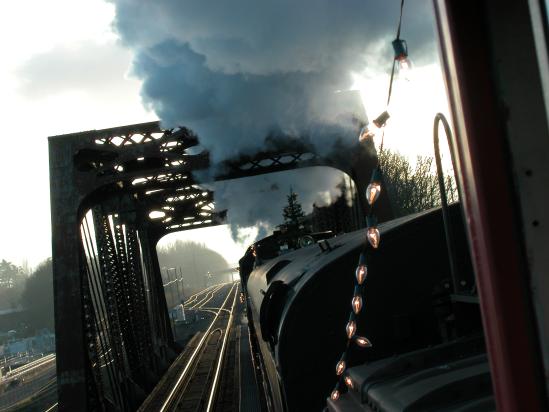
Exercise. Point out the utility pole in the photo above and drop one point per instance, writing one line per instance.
(170, 286)
(176, 284)
(182, 284)
(195, 273)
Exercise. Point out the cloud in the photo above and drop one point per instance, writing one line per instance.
(237, 71)
(240, 72)
(258, 201)
(276, 36)
(89, 68)
(234, 113)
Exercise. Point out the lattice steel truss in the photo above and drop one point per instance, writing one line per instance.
(114, 194)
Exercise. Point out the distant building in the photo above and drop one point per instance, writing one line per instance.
(42, 342)
(177, 313)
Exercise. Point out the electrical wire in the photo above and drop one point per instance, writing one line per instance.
(372, 233)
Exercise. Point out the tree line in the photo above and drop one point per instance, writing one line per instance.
(31, 293)
(413, 188)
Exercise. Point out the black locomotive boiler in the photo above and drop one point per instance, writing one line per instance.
(418, 323)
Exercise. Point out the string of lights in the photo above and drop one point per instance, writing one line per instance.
(373, 238)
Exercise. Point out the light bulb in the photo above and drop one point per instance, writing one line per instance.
(372, 192)
(365, 134)
(357, 304)
(340, 367)
(361, 273)
(363, 342)
(361, 270)
(372, 233)
(370, 130)
(400, 48)
(350, 328)
(373, 237)
(380, 121)
(335, 395)
(349, 382)
(405, 67)
(374, 188)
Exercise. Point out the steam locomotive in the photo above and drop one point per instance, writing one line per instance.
(421, 314)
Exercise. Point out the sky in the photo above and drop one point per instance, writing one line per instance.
(72, 65)
(63, 71)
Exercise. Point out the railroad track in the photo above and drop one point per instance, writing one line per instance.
(192, 392)
(195, 382)
(29, 367)
(207, 297)
(37, 401)
(194, 298)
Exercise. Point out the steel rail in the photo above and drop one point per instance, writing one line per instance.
(51, 407)
(24, 403)
(31, 366)
(208, 289)
(190, 362)
(215, 309)
(204, 296)
(209, 296)
(188, 382)
(209, 311)
(194, 296)
(215, 382)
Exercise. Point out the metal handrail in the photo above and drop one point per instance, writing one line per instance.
(450, 239)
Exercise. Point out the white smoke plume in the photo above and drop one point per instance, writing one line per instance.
(262, 206)
(238, 71)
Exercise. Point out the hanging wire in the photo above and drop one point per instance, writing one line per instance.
(394, 61)
(391, 80)
(400, 19)
(341, 371)
(381, 147)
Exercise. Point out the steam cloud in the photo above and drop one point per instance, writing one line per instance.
(263, 206)
(238, 71)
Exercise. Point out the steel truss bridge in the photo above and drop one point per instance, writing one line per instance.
(113, 333)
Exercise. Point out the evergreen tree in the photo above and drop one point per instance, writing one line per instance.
(292, 213)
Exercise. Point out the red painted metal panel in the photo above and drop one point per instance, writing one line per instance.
(489, 201)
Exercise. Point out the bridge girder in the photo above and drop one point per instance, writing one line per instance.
(107, 280)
